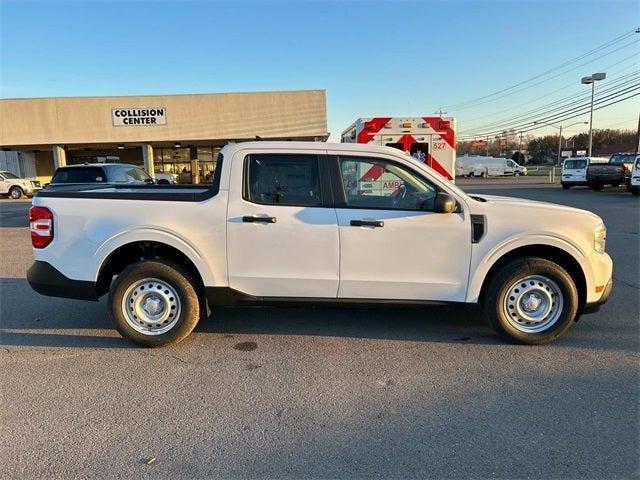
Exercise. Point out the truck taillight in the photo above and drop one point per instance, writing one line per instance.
(41, 224)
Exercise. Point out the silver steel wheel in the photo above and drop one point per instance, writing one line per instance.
(15, 193)
(533, 304)
(151, 306)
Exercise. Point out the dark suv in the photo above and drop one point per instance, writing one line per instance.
(92, 173)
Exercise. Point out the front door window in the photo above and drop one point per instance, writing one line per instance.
(381, 184)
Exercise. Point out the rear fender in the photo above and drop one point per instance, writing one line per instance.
(146, 234)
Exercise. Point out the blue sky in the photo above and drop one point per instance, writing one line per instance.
(373, 58)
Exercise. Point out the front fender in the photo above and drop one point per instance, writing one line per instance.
(481, 263)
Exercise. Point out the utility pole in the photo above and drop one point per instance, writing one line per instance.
(638, 136)
(487, 145)
(560, 146)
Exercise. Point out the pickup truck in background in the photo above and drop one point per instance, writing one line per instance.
(311, 223)
(17, 187)
(615, 173)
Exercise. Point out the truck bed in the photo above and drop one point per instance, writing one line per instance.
(174, 193)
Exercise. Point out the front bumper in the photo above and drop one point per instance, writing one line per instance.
(45, 279)
(570, 181)
(595, 306)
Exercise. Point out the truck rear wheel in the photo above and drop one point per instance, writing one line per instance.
(597, 186)
(154, 303)
(531, 301)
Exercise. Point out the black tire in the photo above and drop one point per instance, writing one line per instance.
(507, 278)
(635, 191)
(170, 274)
(15, 193)
(615, 184)
(595, 186)
(566, 186)
(163, 181)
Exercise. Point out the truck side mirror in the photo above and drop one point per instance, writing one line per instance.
(444, 203)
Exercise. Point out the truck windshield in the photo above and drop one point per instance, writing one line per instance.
(575, 164)
(8, 175)
(620, 159)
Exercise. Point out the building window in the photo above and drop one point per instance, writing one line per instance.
(191, 164)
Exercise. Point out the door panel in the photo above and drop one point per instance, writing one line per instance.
(296, 252)
(401, 252)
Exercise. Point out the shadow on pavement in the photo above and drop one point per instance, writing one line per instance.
(40, 321)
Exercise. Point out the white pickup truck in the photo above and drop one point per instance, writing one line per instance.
(320, 224)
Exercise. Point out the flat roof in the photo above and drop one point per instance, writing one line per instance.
(138, 119)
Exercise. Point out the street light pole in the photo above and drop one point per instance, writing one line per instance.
(592, 79)
(593, 91)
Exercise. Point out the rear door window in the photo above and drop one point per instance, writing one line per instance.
(283, 179)
(575, 164)
(79, 175)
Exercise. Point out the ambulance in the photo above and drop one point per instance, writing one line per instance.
(431, 140)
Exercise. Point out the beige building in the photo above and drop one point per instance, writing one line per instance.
(179, 134)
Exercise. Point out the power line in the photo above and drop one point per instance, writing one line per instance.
(582, 113)
(618, 82)
(572, 106)
(537, 127)
(545, 80)
(569, 62)
(564, 87)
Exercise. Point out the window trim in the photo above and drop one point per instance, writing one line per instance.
(326, 194)
(341, 197)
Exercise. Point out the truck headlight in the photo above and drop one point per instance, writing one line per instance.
(600, 238)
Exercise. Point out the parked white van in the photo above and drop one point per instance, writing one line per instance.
(477, 166)
(574, 170)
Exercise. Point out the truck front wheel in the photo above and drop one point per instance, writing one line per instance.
(154, 303)
(531, 301)
(16, 193)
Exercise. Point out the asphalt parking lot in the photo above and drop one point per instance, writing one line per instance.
(271, 393)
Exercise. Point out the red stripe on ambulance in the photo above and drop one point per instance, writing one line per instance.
(428, 139)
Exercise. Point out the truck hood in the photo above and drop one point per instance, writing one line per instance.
(522, 202)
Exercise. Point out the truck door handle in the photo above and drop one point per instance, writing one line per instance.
(367, 223)
(254, 219)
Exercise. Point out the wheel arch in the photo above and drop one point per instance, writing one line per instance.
(554, 253)
(134, 251)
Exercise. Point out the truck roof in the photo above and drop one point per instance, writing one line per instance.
(319, 146)
(112, 164)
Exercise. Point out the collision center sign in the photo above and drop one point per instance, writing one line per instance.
(139, 116)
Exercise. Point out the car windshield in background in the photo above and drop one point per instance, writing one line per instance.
(619, 159)
(138, 174)
(575, 164)
(8, 175)
(128, 174)
(79, 175)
